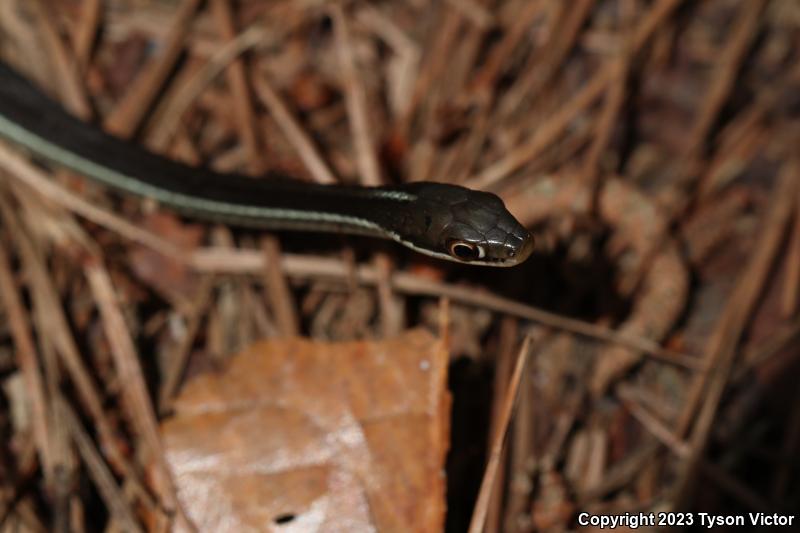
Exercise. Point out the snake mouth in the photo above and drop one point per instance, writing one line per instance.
(518, 258)
(524, 252)
(512, 259)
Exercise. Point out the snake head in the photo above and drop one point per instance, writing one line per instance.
(459, 224)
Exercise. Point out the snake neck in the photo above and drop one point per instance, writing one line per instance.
(33, 121)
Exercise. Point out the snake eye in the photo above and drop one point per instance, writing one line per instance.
(465, 251)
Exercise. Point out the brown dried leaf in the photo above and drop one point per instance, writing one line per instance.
(326, 436)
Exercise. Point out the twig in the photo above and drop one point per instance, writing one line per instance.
(509, 331)
(391, 310)
(27, 361)
(134, 387)
(103, 479)
(21, 169)
(684, 450)
(69, 85)
(244, 261)
(493, 464)
(433, 64)
(765, 350)
(60, 335)
(487, 75)
(615, 97)
(727, 66)
(565, 29)
(654, 425)
(474, 12)
(180, 357)
(791, 439)
(555, 126)
(240, 90)
(184, 98)
(129, 114)
(294, 132)
(792, 277)
(401, 91)
(356, 97)
(85, 32)
(741, 139)
(278, 293)
(731, 325)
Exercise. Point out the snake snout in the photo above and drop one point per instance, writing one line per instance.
(526, 250)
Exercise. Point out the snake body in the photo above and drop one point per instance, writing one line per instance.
(440, 220)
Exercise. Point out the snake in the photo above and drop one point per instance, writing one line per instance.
(441, 220)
